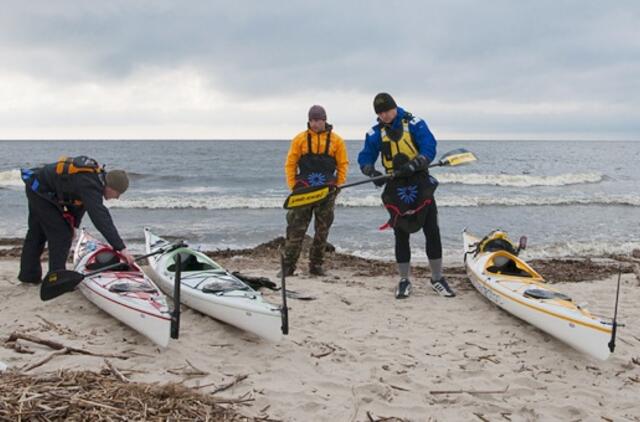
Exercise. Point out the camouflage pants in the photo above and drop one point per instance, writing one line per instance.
(298, 220)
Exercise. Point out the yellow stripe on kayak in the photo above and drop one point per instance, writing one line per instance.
(535, 308)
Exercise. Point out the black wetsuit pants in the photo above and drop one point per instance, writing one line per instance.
(45, 225)
(431, 234)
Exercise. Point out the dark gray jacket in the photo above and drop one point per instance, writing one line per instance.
(83, 192)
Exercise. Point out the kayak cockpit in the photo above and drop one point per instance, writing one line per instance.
(190, 262)
(504, 263)
(107, 257)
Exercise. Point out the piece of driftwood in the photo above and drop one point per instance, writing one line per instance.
(116, 372)
(230, 384)
(59, 346)
(436, 392)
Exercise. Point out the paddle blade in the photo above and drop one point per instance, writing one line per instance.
(59, 282)
(307, 196)
(457, 157)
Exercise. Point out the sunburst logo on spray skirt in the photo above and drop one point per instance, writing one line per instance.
(317, 179)
(408, 194)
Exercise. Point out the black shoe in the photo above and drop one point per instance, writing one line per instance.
(25, 281)
(442, 288)
(404, 289)
(317, 270)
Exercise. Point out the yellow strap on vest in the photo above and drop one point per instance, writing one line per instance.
(404, 145)
(65, 166)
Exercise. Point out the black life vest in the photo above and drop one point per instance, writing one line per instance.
(58, 177)
(407, 200)
(319, 168)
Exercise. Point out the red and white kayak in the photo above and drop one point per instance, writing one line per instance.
(124, 293)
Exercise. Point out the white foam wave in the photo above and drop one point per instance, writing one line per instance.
(192, 189)
(580, 248)
(11, 178)
(454, 256)
(519, 180)
(198, 202)
(258, 202)
(522, 200)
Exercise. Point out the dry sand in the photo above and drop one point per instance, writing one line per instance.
(356, 353)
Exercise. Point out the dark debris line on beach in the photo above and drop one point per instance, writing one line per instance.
(552, 269)
(86, 395)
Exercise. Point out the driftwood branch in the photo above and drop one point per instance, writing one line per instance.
(223, 387)
(46, 359)
(435, 392)
(59, 346)
(116, 372)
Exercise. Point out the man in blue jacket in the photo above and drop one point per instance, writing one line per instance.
(406, 146)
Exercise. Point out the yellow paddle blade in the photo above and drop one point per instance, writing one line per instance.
(458, 157)
(307, 196)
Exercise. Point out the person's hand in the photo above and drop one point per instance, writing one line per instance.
(405, 170)
(378, 183)
(368, 170)
(125, 253)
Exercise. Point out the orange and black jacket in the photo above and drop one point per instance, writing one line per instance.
(299, 148)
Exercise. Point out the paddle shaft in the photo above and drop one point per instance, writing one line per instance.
(175, 315)
(614, 328)
(284, 311)
(381, 177)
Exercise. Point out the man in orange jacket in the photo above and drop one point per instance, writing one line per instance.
(317, 156)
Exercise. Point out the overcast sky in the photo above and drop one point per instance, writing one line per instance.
(492, 69)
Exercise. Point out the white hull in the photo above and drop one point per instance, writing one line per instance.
(243, 308)
(559, 318)
(147, 313)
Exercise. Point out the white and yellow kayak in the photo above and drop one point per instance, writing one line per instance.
(207, 287)
(509, 282)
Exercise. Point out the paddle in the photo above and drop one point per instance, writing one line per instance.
(59, 282)
(284, 311)
(313, 194)
(614, 328)
(175, 314)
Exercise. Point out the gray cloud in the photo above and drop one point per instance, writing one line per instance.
(449, 52)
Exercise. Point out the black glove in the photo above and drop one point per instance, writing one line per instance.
(370, 171)
(407, 169)
(379, 183)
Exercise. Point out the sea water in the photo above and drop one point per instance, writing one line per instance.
(569, 197)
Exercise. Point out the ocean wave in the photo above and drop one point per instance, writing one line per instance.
(11, 178)
(453, 256)
(221, 202)
(581, 248)
(519, 180)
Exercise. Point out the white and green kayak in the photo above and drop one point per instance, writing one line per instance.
(506, 280)
(212, 290)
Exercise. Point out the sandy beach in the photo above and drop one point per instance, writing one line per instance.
(357, 354)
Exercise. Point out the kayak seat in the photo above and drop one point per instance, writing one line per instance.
(189, 262)
(509, 267)
(106, 258)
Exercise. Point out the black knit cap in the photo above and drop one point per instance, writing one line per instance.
(383, 102)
